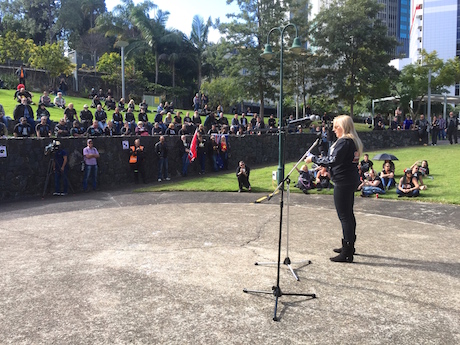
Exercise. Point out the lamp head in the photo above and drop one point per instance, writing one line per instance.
(268, 53)
(296, 46)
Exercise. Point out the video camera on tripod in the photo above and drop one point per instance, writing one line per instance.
(52, 147)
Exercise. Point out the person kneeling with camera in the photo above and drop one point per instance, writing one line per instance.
(242, 173)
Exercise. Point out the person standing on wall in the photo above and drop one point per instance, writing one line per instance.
(343, 159)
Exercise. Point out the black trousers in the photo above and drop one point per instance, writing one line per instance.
(243, 181)
(452, 135)
(434, 136)
(344, 198)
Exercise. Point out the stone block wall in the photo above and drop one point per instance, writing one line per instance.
(25, 169)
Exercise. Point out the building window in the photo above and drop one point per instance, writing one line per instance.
(457, 90)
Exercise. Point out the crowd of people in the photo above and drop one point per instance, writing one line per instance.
(437, 127)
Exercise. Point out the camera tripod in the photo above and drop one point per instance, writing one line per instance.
(51, 165)
(276, 290)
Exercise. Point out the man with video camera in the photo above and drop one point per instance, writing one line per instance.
(60, 168)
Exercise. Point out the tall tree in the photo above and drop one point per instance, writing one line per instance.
(199, 39)
(351, 49)
(413, 80)
(153, 31)
(247, 34)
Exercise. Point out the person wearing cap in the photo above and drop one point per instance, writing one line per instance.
(60, 168)
(90, 156)
(42, 111)
(408, 185)
(86, 117)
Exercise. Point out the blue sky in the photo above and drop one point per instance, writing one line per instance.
(182, 12)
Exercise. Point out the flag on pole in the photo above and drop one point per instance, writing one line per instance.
(193, 148)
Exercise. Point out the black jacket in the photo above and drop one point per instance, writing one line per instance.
(343, 162)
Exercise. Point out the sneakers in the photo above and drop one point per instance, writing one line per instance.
(168, 179)
(239, 190)
(159, 180)
(56, 194)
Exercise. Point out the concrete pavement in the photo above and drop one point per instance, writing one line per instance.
(170, 268)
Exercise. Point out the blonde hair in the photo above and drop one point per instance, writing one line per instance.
(346, 123)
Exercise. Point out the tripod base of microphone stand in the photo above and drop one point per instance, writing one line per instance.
(276, 291)
(288, 263)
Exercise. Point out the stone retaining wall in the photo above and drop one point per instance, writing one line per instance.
(24, 171)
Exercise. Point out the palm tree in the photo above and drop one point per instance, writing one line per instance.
(199, 39)
(153, 31)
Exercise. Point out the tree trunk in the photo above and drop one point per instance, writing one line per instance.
(156, 66)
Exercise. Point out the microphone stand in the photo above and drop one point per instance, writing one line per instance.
(276, 290)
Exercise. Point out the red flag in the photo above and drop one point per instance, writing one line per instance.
(193, 148)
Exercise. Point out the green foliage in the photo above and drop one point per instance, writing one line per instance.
(247, 35)
(440, 158)
(51, 58)
(226, 91)
(413, 80)
(351, 50)
(14, 48)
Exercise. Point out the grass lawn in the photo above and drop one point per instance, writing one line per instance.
(443, 162)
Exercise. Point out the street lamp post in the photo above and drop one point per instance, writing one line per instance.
(122, 45)
(268, 54)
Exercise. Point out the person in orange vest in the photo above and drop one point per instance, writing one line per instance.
(136, 160)
(21, 73)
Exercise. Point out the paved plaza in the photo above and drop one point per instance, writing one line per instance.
(170, 268)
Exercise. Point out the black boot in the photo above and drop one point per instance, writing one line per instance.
(346, 255)
(339, 250)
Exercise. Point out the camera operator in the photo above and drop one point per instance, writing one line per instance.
(60, 168)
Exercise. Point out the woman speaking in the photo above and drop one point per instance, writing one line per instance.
(343, 160)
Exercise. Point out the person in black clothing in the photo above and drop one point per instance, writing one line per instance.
(42, 129)
(242, 173)
(24, 110)
(22, 129)
(63, 87)
(365, 165)
(86, 117)
(70, 115)
(42, 111)
(76, 131)
(201, 152)
(162, 151)
(452, 128)
(184, 151)
(129, 118)
(117, 119)
(136, 160)
(94, 130)
(61, 169)
(101, 117)
(434, 130)
(61, 129)
(95, 102)
(422, 127)
(110, 103)
(343, 161)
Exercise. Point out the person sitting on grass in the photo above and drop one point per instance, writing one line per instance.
(408, 185)
(372, 185)
(242, 173)
(42, 111)
(59, 101)
(323, 179)
(86, 117)
(110, 103)
(418, 175)
(46, 100)
(388, 176)
(304, 182)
